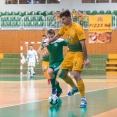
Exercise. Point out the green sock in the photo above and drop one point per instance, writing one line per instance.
(53, 82)
(58, 87)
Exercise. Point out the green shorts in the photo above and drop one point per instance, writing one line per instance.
(55, 67)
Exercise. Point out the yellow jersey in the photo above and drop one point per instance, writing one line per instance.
(74, 14)
(75, 34)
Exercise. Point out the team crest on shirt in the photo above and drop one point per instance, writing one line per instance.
(69, 38)
(72, 31)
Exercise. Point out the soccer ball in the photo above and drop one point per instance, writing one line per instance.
(53, 99)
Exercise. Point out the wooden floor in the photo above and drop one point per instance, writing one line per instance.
(25, 97)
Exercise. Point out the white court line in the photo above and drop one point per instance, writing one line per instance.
(61, 96)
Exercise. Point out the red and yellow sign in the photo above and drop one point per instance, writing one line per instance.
(101, 23)
(100, 28)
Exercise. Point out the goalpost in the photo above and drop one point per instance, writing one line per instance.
(22, 58)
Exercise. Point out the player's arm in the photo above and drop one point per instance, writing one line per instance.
(60, 33)
(43, 53)
(84, 49)
(64, 43)
(54, 38)
(81, 37)
(51, 40)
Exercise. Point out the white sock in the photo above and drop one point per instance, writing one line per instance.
(32, 71)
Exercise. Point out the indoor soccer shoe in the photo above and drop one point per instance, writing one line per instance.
(72, 92)
(54, 90)
(83, 103)
(58, 93)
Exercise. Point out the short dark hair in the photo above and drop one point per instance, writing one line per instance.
(51, 31)
(44, 36)
(31, 45)
(65, 13)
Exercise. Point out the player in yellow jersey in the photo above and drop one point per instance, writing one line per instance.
(76, 57)
(45, 59)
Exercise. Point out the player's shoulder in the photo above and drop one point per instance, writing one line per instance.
(78, 27)
(59, 40)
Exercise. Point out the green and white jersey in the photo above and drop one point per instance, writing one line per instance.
(55, 50)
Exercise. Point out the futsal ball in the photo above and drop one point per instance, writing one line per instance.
(53, 99)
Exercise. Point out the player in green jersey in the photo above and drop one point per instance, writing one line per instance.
(55, 50)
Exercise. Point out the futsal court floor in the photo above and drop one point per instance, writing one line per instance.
(25, 97)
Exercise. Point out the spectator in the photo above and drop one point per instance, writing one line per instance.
(57, 18)
(84, 18)
(79, 15)
(74, 15)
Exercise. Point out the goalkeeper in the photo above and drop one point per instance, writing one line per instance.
(31, 56)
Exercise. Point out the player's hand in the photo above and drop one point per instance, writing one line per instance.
(87, 63)
(46, 44)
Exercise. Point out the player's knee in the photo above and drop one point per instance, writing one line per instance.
(50, 72)
(77, 74)
(62, 73)
(44, 69)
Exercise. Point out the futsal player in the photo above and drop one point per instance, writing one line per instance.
(44, 57)
(55, 50)
(76, 57)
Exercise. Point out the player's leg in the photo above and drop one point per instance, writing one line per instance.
(53, 71)
(77, 68)
(64, 75)
(59, 89)
(32, 64)
(63, 72)
(45, 66)
(29, 67)
(55, 84)
(32, 71)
